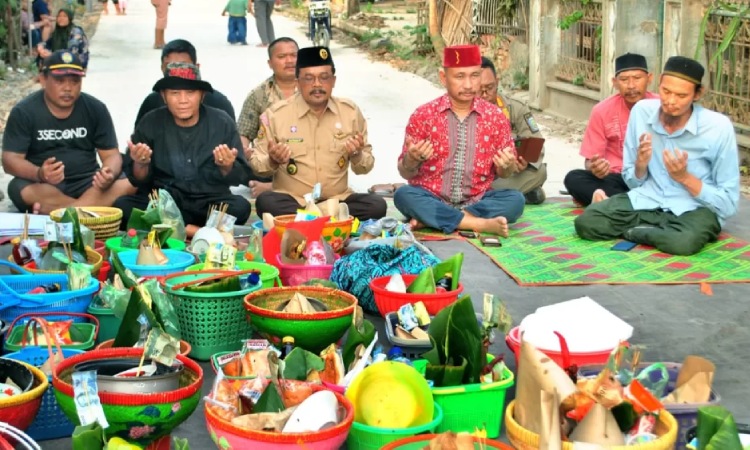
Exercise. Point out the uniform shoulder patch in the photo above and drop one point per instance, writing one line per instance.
(531, 122)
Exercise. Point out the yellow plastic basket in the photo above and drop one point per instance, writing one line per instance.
(93, 257)
(523, 439)
(105, 226)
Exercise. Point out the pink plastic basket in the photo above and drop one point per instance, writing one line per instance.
(297, 274)
(513, 340)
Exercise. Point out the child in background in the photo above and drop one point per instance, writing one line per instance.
(237, 10)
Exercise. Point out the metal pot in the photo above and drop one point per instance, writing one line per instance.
(165, 379)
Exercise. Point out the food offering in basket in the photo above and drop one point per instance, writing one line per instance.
(314, 316)
(35, 330)
(682, 388)
(65, 245)
(335, 231)
(436, 287)
(269, 411)
(301, 259)
(613, 409)
(218, 231)
(141, 405)
(162, 212)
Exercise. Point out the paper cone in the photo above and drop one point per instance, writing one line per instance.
(598, 427)
(293, 243)
(147, 256)
(267, 221)
(329, 207)
(538, 373)
(550, 438)
(694, 381)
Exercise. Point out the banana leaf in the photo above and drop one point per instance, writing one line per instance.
(137, 220)
(299, 363)
(270, 401)
(451, 265)
(222, 285)
(456, 337)
(71, 216)
(357, 335)
(130, 329)
(448, 374)
(424, 283)
(128, 278)
(716, 429)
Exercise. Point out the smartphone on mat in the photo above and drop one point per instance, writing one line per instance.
(468, 234)
(624, 246)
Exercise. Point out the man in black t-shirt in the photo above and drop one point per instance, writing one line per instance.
(188, 149)
(180, 50)
(51, 142)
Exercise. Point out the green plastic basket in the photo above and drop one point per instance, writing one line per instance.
(211, 323)
(269, 275)
(474, 406)
(109, 324)
(365, 437)
(115, 244)
(84, 333)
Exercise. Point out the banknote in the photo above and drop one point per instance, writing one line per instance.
(86, 394)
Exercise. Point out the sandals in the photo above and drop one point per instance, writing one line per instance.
(386, 190)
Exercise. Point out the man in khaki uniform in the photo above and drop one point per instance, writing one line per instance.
(313, 138)
(282, 59)
(529, 177)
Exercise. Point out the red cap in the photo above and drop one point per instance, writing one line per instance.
(132, 232)
(462, 56)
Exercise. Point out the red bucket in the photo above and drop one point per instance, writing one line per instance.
(513, 340)
(388, 301)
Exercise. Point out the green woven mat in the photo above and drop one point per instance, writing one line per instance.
(543, 249)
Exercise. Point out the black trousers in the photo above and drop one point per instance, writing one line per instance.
(194, 209)
(361, 206)
(581, 185)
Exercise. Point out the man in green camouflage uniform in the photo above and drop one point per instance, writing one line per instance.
(529, 177)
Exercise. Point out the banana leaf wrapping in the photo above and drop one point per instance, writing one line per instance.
(228, 284)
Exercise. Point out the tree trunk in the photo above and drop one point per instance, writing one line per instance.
(434, 27)
(352, 7)
(10, 36)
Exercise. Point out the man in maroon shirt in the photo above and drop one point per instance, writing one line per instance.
(455, 145)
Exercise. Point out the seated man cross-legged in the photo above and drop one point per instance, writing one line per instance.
(313, 138)
(681, 163)
(52, 140)
(603, 140)
(455, 145)
(188, 149)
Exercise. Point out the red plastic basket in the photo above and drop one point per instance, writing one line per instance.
(388, 301)
(297, 274)
(513, 340)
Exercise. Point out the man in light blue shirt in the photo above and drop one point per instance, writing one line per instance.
(681, 163)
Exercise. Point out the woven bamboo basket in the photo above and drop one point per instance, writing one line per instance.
(93, 257)
(105, 226)
(523, 439)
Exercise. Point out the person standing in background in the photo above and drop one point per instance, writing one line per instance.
(162, 10)
(262, 10)
(237, 24)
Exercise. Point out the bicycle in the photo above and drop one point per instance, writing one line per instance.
(320, 23)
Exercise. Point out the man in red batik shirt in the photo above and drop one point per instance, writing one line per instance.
(455, 145)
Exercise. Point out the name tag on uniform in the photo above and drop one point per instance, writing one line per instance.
(295, 140)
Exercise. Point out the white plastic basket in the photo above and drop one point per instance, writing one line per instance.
(19, 436)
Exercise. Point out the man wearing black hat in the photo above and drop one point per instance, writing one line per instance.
(52, 140)
(313, 138)
(681, 164)
(180, 50)
(605, 134)
(188, 149)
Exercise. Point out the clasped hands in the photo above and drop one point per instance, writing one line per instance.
(52, 172)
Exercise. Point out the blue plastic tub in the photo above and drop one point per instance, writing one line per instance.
(50, 422)
(178, 262)
(15, 301)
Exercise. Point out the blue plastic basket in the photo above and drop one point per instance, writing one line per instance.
(14, 301)
(178, 262)
(50, 422)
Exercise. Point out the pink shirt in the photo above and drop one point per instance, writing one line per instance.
(605, 133)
